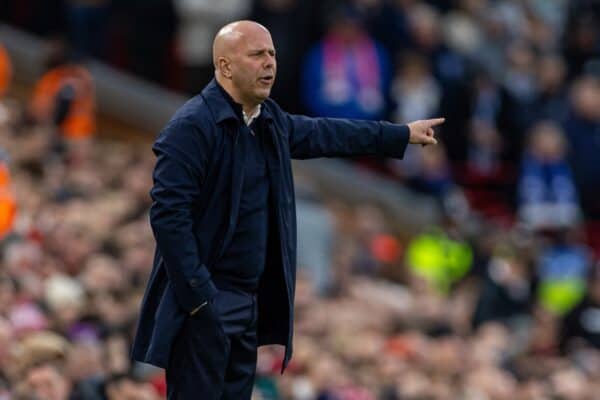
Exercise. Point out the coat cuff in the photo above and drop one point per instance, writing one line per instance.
(394, 139)
(197, 293)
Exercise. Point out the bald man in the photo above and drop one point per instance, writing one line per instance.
(224, 219)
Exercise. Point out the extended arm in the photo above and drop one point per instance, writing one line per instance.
(330, 137)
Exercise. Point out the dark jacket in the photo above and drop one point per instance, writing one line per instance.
(198, 181)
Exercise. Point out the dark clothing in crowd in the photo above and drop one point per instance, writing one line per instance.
(584, 146)
(42, 17)
(289, 26)
(583, 323)
(501, 301)
(148, 36)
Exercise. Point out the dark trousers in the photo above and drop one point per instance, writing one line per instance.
(214, 355)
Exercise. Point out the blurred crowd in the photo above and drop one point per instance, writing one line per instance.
(499, 300)
(517, 79)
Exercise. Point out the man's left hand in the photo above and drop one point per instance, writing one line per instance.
(421, 132)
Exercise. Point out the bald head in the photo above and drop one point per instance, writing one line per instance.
(231, 36)
(244, 60)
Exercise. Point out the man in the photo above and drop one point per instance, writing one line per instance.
(224, 219)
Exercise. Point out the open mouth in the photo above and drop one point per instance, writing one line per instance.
(267, 79)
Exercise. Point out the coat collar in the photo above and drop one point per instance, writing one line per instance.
(223, 107)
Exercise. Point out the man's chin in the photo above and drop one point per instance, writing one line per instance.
(262, 95)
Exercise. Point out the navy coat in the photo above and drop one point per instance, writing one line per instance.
(198, 181)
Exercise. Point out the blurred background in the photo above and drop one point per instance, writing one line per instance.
(468, 270)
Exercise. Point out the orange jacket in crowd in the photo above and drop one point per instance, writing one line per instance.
(80, 121)
(5, 71)
(8, 204)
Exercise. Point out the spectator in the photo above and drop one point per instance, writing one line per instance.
(315, 241)
(8, 206)
(293, 27)
(415, 92)
(88, 23)
(552, 99)
(484, 163)
(347, 73)
(582, 128)
(388, 20)
(519, 92)
(148, 30)
(64, 97)
(199, 21)
(6, 72)
(440, 260)
(42, 17)
(547, 193)
(506, 292)
(45, 381)
(432, 174)
(581, 35)
(448, 67)
(563, 269)
(124, 387)
(583, 322)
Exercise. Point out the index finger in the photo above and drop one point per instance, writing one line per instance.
(436, 121)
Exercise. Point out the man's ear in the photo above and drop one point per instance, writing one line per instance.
(225, 67)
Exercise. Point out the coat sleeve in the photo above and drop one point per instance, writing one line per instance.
(180, 167)
(331, 137)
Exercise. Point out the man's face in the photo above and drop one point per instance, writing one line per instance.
(253, 66)
(45, 382)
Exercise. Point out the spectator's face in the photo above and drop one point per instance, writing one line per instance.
(127, 389)
(116, 354)
(521, 58)
(7, 295)
(253, 66)
(586, 98)
(594, 289)
(6, 338)
(585, 33)
(84, 361)
(434, 160)
(484, 135)
(347, 28)
(548, 142)
(414, 70)
(492, 383)
(102, 274)
(551, 72)
(533, 390)
(424, 22)
(47, 383)
(570, 384)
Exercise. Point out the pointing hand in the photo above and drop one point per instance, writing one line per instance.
(421, 132)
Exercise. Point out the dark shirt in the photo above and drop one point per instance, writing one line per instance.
(243, 261)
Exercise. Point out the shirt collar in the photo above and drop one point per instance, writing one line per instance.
(224, 107)
(248, 119)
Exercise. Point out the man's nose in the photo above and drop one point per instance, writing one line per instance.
(269, 62)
